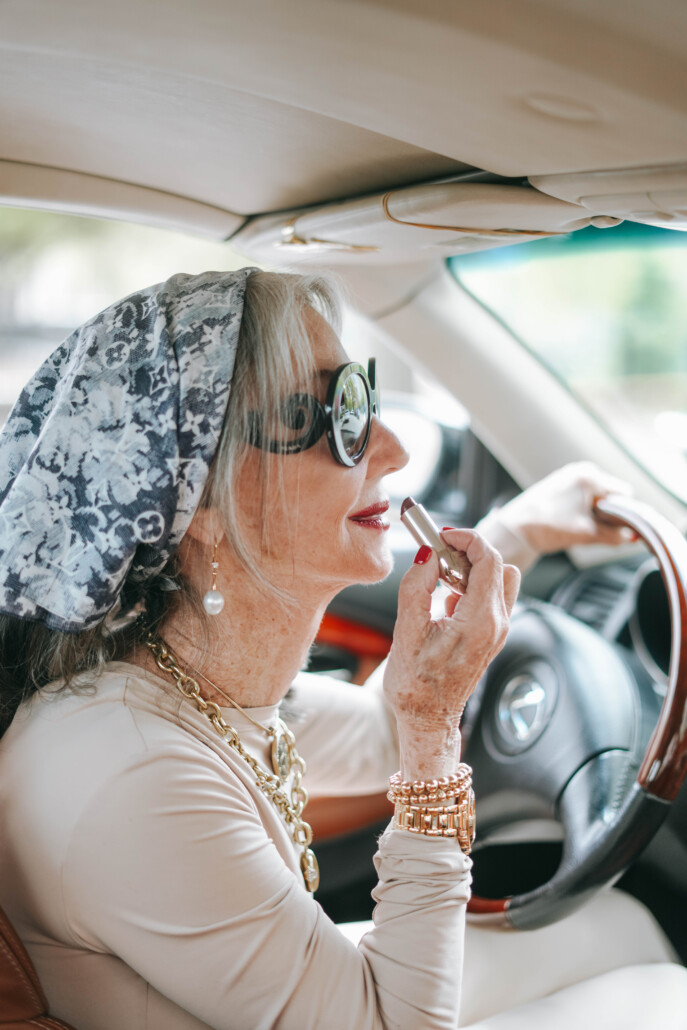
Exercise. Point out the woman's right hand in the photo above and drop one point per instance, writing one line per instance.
(435, 664)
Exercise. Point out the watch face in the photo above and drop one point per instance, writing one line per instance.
(468, 818)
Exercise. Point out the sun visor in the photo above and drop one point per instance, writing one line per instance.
(55, 189)
(656, 196)
(404, 224)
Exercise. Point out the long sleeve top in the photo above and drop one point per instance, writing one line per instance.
(157, 888)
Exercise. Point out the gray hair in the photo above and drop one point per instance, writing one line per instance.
(273, 357)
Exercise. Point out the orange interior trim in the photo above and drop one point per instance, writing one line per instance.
(487, 906)
(336, 817)
(352, 636)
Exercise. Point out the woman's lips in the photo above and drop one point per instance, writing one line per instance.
(372, 517)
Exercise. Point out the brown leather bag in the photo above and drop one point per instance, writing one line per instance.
(22, 1002)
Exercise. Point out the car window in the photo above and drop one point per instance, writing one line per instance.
(56, 271)
(606, 311)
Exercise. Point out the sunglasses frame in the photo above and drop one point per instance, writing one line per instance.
(324, 417)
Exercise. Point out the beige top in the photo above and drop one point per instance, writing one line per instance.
(156, 888)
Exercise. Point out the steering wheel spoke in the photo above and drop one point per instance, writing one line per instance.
(592, 801)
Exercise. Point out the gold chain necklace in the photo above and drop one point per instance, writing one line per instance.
(283, 751)
(290, 808)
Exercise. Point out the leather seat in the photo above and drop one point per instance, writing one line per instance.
(22, 1002)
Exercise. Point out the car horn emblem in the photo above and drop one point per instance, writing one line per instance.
(522, 710)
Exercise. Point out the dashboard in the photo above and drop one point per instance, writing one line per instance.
(625, 602)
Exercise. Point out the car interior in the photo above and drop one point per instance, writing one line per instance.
(501, 188)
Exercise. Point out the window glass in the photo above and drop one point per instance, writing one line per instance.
(606, 311)
(57, 271)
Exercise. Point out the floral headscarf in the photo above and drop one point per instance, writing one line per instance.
(105, 455)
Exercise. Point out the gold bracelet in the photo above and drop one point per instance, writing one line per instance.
(441, 796)
(462, 773)
(448, 821)
(422, 792)
(413, 813)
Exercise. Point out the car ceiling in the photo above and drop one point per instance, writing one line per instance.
(264, 105)
(202, 115)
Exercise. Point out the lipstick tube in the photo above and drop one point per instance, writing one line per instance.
(454, 567)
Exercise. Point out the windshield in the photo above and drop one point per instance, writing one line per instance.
(606, 311)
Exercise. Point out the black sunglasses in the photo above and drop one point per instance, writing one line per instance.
(346, 416)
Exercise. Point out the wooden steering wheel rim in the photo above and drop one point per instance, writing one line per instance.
(664, 766)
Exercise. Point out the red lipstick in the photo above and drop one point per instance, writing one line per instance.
(372, 517)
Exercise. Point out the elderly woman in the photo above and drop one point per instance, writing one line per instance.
(185, 485)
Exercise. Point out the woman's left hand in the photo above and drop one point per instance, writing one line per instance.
(556, 513)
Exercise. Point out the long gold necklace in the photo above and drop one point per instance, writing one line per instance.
(285, 758)
(283, 750)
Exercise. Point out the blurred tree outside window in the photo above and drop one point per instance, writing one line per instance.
(57, 271)
(606, 311)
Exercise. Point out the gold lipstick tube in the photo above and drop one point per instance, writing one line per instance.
(454, 567)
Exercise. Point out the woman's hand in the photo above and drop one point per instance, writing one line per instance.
(556, 512)
(434, 665)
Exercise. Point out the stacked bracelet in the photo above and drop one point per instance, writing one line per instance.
(422, 792)
(417, 808)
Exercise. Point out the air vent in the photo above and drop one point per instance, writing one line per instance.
(595, 602)
(594, 597)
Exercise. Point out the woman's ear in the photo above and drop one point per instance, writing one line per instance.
(206, 527)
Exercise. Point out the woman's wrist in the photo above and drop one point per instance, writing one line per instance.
(428, 752)
(443, 807)
(504, 531)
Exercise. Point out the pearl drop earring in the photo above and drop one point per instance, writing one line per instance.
(213, 602)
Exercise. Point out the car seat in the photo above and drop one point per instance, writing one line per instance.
(22, 1002)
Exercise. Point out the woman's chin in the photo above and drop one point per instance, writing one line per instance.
(377, 568)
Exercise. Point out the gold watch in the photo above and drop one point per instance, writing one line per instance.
(454, 820)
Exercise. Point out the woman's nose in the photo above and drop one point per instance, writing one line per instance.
(387, 453)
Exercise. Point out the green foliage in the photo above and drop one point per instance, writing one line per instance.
(652, 334)
(606, 311)
(25, 233)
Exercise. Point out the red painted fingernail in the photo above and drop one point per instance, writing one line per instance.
(635, 537)
(444, 528)
(423, 555)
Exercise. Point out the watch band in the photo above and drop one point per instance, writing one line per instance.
(455, 820)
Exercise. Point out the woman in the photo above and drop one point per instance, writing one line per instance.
(201, 440)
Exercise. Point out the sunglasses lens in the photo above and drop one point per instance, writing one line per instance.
(351, 416)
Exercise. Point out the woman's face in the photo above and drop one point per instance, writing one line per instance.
(334, 531)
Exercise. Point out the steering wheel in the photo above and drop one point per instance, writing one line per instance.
(569, 726)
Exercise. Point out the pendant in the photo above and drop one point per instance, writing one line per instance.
(281, 755)
(310, 870)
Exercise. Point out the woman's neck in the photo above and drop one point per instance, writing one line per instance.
(253, 651)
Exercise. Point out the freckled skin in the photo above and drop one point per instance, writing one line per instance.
(435, 665)
(315, 550)
(319, 550)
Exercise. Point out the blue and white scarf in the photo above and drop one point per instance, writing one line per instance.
(105, 455)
